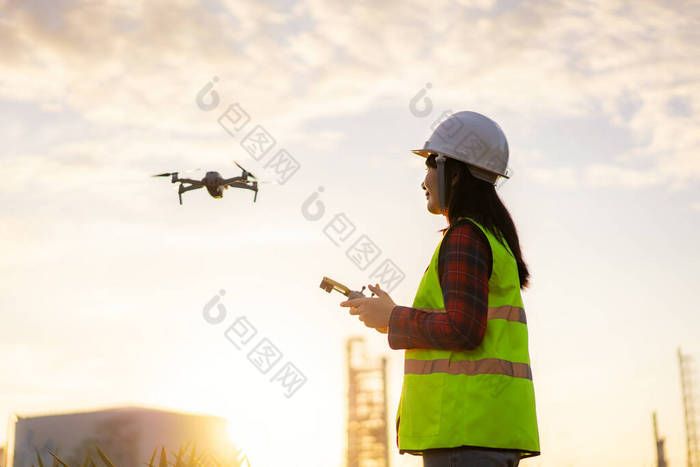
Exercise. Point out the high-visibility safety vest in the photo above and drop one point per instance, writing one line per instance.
(482, 397)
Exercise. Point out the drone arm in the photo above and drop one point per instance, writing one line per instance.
(185, 189)
(190, 181)
(230, 181)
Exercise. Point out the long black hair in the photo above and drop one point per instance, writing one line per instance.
(476, 198)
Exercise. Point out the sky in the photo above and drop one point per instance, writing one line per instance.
(106, 277)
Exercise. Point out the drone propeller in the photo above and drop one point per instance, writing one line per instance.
(239, 166)
(168, 174)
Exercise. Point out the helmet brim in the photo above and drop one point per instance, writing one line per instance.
(484, 174)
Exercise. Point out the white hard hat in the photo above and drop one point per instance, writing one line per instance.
(472, 138)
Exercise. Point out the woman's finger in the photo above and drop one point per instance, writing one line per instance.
(377, 290)
(353, 302)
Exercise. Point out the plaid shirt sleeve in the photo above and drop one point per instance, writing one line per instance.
(464, 267)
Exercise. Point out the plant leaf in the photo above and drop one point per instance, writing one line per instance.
(104, 457)
(38, 458)
(57, 461)
(163, 458)
(153, 456)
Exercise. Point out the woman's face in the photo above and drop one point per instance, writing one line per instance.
(430, 186)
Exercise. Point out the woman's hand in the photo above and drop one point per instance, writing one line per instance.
(374, 312)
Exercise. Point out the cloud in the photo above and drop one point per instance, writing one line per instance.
(559, 177)
(141, 63)
(609, 175)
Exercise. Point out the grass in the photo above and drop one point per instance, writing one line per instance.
(184, 457)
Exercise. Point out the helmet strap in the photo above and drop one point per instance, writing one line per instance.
(440, 159)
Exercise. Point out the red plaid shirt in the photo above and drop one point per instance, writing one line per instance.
(464, 268)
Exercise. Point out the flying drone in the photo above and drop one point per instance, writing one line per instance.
(214, 183)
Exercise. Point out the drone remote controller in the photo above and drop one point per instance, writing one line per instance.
(329, 285)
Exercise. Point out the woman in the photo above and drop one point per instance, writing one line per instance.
(467, 396)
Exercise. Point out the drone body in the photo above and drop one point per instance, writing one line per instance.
(214, 183)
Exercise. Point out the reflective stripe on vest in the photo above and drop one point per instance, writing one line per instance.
(485, 366)
(480, 397)
(507, 312)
